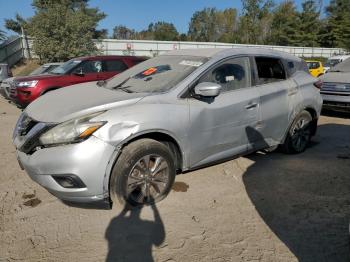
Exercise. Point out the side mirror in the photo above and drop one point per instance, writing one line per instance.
(79, 72)
(207, 89)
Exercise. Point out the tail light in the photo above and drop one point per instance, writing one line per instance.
(318, 84)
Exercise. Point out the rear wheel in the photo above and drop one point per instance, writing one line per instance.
(299, 134)
(143, 174)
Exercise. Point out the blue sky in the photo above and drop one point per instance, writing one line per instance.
(136, 14)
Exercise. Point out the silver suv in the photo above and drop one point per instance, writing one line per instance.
(126, 138)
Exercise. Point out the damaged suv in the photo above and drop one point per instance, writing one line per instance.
(126, 138)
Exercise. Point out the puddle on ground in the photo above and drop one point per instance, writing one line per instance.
(32, 202)
(180, 187)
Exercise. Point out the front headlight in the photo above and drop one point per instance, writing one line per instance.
(27, 83)
(72, 131)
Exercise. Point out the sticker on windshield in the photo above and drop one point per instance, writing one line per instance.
(190, 63)
(152, 71)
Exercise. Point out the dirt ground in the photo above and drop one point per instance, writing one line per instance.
(263, 207)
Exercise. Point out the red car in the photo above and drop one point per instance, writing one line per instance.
(78, 70)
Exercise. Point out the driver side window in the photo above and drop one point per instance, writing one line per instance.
(233, 74)
(91, 66)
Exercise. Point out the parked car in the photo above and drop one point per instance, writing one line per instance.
(334, 60)
(78, 70)
(126, 139)
(6, 84)
(315, 68)
(335, 89)
(5, 72)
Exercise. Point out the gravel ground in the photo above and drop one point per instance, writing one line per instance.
(263, 207)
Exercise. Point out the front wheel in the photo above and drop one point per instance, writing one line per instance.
(143, 174)
(299, 134)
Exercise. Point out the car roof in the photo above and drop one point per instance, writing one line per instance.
(313, 61)
(213, 52)
(109, 57)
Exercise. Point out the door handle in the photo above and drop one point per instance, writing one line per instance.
(251, 105)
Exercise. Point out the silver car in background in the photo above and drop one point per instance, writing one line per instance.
(335, 88)
(126, 138)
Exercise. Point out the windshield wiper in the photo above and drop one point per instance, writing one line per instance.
(121, 84)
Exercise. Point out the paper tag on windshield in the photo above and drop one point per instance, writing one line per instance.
(190, 63)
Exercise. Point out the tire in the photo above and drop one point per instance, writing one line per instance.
(299, 134)
(132, 183)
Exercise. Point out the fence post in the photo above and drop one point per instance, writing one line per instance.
(25, 44)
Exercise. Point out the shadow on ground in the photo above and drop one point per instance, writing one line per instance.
(131, 239)
(305, 198)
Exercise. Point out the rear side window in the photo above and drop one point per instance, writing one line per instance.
(114, 66)
(269, 70)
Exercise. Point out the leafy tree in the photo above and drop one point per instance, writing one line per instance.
(255, 22)
(163, 31)
(202, 26)
(337, 28)
(122, 32)
(309, 24)
(284, 25)
(63, 29)
(16, 24)
(211, 25)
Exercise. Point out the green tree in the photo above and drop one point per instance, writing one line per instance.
(164, 31)
(63, 29)
(336, 31)
(255, 22)
(211, 25)
(16, 24)
(122, 32)
(309, 24)
(284, 25)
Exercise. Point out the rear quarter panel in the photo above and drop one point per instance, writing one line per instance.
(310, 96)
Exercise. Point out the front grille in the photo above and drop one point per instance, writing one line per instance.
(27, 133)
(336, 87)
(12, 90)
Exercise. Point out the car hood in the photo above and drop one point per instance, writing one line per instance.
(36, 77)
(337, 77)
(74, 101)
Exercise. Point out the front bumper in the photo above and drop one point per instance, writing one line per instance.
(87, 160)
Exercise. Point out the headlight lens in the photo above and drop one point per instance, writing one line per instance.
(72, 131)
(27, 83)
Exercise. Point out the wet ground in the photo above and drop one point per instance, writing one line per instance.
(263, 207)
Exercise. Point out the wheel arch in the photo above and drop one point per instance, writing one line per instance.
(158, 135)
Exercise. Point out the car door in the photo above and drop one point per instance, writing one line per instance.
(112, 67)
(276, 92)
(87, 71)
(219, 125)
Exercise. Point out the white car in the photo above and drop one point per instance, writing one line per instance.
(334, 60)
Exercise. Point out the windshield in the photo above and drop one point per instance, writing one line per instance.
(313, 65)
(158, 74)
(66, 67)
